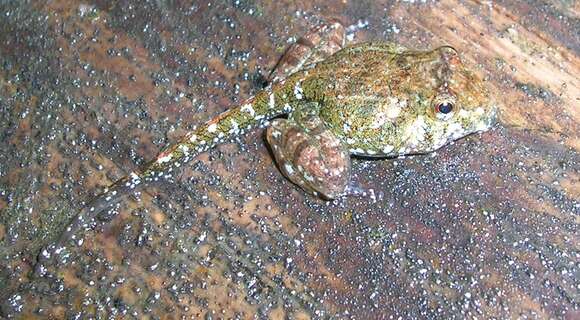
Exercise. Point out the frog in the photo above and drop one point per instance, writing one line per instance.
(327, 101)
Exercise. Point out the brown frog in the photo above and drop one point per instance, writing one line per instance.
(368, 99)
(375, 100)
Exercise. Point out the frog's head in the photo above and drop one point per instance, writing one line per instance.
(454, 104)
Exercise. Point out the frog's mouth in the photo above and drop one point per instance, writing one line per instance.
(462, 124)
(481, 121)
(476, 120)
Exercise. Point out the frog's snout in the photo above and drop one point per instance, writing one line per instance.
(485, 120)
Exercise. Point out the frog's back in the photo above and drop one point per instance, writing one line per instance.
(357, 71)
(383, 99)
(359, 63)
(364, 51)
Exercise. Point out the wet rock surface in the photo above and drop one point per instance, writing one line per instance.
(486, 227)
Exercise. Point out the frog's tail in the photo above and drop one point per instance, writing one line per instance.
(254, 112)
(84, 218)
(257, 111)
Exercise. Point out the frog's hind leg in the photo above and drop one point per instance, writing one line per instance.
(319, 43)
(310, 155)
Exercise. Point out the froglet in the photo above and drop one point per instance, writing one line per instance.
(369, 99)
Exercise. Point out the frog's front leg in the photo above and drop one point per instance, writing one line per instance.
(309, 154)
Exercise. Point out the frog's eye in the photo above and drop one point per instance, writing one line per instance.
(444, 107)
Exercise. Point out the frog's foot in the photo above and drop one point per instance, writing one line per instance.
(310, 156)
(318, 44)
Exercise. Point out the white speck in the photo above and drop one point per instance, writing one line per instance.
(249, 109)
(184, 148)
(346, 128)
(289, 168)
(235, 125)
(371, 152)
(298, 91)
(276, 134)
(212, 128)
(193, 138)
(272, 101)
(388, 148)
(395, 29)
(352, 29)
(167, 158)
(350, 140)
(85, 9)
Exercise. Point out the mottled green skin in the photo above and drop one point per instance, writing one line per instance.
(374, 93)
(378, 100)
